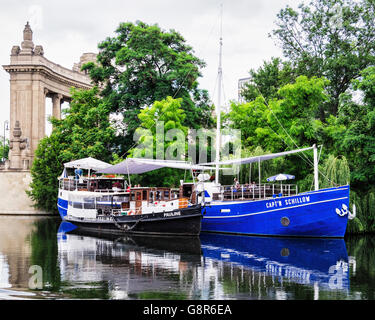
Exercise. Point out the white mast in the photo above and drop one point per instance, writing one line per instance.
(316, 170)
(218, 125)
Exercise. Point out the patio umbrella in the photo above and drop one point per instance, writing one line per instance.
(281, 177)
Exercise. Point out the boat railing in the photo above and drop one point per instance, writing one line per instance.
(257, 191)
(71, 184)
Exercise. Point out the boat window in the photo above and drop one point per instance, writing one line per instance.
(104, 199)
(144, 194)
(77, 205)
(175, 194)
(187, 190)
(122, 198)
(132, 196)
(166, 194)
(88, 205)
(158, 196)
(139, 195)
(151, 196)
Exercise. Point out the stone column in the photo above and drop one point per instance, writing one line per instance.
(17, 145)
(57, 99)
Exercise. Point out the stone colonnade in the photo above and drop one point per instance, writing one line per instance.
(33, 78)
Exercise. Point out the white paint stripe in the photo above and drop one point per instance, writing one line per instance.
(279, 209)
(321, 191)
(62, 207)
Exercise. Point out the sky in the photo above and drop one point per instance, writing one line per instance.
(66, 29)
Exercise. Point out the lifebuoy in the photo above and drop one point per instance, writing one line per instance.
(131, 212)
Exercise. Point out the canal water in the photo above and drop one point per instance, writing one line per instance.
(42, 258)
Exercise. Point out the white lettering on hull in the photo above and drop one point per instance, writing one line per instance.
(172, 214)
(287, 202)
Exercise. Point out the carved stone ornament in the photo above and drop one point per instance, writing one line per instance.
(17, 130)
(39, 50)
(27, 32)
(15, 50)
(27, 44)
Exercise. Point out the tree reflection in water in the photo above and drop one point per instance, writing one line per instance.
(77, 265)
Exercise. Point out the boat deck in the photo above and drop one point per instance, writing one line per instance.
(255, 192)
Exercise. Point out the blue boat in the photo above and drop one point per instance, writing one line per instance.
(269, 209)
(310, 214)
(276, 210)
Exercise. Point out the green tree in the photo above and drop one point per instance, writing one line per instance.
(283, 124)
(161, 135)
(268, 79)
(4, 150)
(143, 64)
(357, 141)
(330, 38)
(85, 131)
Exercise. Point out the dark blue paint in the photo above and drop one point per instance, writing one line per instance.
(316, 217)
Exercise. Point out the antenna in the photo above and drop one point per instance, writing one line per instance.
(218, 111)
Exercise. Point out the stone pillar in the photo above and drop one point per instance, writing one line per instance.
(17, 145)
(27, 44)
(32, 78)
(57, 99)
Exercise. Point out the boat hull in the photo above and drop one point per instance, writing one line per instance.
(310, 214)
(181, 222)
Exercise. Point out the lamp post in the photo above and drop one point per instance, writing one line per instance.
(6, 127)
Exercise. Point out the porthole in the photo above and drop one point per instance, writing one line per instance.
(285, 221)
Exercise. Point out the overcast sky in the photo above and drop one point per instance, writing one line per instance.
(66, 29)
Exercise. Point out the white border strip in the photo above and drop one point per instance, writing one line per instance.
(62, 207)
(279, 209)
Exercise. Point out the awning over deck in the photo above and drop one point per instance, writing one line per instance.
(87, 163)
(141, 165)
(257, 158)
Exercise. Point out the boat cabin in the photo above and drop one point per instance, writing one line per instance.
(133, 201)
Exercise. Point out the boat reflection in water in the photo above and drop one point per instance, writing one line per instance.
(212, 266)
(130, 266)
(307, 261)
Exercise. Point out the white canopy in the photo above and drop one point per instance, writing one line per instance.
(141, 165)
(87, 163)
(257, 158)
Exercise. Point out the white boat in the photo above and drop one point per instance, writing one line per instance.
(108, 203)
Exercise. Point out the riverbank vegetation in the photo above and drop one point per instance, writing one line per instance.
(322, 91)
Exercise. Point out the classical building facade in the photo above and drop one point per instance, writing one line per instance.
(33, 78)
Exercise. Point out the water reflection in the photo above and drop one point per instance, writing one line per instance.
(209, 267)
(130, 267)
(320, 263)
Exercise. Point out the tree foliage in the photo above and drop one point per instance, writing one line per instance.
(84, 132)
(143, 64)
(285, 123)
(4, 149)
(161, 136)
(330, 38)
(268, 79)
